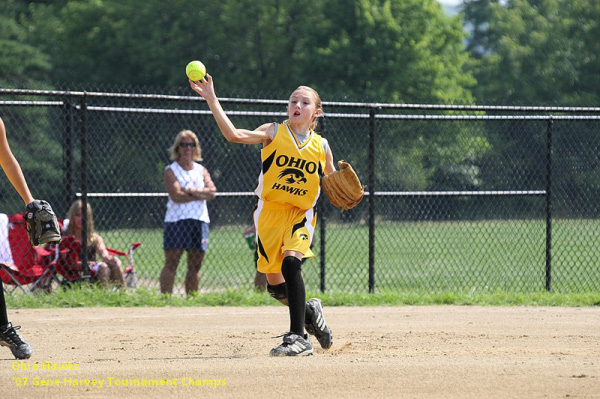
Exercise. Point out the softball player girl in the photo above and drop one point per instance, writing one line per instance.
(293, 158)
(8, 333)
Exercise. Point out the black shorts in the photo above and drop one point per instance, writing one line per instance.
(186, 234)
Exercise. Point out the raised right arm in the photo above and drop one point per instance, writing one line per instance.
(260, 135)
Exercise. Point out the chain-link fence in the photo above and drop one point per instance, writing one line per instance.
(459, 198)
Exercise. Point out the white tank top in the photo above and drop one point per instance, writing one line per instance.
(187, 210)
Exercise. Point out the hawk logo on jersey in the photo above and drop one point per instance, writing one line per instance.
(292, 176)
(294, 173)
(304, 236)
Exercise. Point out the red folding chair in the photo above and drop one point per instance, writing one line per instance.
(129, 271)
(21, 265)
(68, 265)
(70, 268)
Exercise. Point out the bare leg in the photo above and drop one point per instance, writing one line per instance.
(116, 273)
(102, 274)
(260, 281)
(192, 278)
(167, 275)
(275, 278)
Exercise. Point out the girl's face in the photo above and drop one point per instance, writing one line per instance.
(302, 107)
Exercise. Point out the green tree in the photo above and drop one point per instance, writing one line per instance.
(397, 50)
(585, 30)
(534, 51)
(20, 61)
(134, 42)
(540, 52)
(392, 50)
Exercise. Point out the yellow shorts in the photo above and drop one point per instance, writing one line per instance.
(280, 228)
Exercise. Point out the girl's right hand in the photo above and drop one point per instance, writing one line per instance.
(204, 87)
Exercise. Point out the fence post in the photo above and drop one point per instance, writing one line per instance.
(84, 230)
(372, 200)
(549, 206)
(68, 153)
(323, 224)
(323, 246)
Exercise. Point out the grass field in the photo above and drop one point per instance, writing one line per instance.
(420, 257)
(86, 295)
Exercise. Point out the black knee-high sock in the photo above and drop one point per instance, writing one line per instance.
(292, 273)
(3, 314)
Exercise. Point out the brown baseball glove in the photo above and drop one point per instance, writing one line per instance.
(343, 187)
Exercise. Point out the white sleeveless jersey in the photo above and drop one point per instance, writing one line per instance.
(189, 210)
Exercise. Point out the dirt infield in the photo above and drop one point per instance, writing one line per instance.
(381, 352)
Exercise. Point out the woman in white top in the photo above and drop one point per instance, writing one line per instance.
(189, 186)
